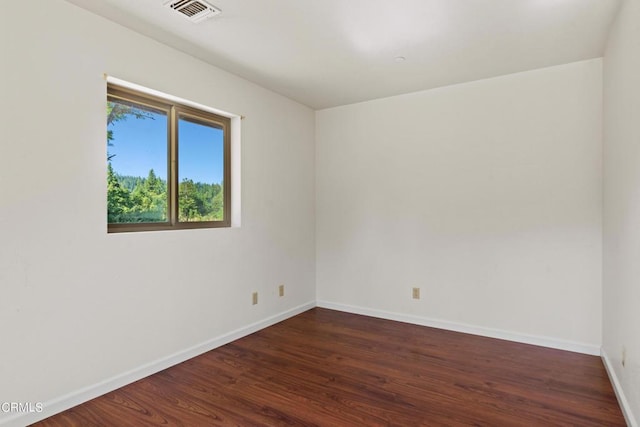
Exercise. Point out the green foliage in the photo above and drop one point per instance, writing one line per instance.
(118, 198)
(199, 202)
(133, 199)
(149, 198)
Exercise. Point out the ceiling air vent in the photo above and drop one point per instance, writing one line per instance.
(193, 10)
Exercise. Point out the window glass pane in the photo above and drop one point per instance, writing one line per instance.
(137, 169)
(200, 171)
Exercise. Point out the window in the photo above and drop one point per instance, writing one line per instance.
(168, 164)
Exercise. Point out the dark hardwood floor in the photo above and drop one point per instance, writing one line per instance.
(330, 368)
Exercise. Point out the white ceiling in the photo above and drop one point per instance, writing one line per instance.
(335, 52)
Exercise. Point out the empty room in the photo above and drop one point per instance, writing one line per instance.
(290, 212)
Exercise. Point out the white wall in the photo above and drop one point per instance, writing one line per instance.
(621, 267)
(77, 305)
(487, 195)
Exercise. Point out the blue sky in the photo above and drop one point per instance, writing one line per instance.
(141, 144)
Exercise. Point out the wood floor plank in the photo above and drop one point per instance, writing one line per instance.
(329, 368)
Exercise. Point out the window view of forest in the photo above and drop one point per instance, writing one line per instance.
(142, 197)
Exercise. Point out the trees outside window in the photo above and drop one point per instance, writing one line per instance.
(168, 164)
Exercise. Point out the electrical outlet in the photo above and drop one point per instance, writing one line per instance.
(281, 290)
(415, 294)
(624, 356)
(254, 298)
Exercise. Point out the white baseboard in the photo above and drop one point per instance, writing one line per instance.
(576, 347)
(70, 400)
(617, 388)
